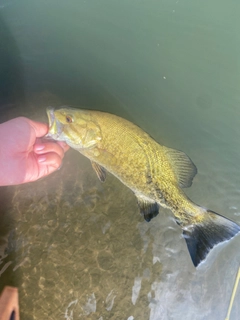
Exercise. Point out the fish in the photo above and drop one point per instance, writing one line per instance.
(156, 174)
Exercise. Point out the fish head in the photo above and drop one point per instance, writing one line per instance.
(74, 126)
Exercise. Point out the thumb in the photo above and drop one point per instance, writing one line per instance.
(40, 128)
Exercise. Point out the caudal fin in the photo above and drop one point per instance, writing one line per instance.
(202, 237)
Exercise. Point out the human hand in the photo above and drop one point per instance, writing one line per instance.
(24, 157)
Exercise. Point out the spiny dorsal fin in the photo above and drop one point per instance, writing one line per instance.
(183, 167)
(100, 171)
(149, 209)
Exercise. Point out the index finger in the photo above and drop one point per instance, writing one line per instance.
(63, 145)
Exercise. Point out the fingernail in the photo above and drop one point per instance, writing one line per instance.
(59, 167)
(41, 159)
(39, 147)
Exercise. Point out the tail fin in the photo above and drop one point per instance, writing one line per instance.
(202, 237)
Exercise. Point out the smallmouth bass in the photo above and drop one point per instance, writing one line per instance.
(156, 174)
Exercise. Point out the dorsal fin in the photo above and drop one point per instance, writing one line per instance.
(183, 167)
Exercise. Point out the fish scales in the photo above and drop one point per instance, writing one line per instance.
(134, 154)
(155, 173)
(142, 163)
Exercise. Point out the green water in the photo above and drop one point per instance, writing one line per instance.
(76, 248)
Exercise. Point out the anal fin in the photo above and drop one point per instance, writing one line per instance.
(148, 208)
(100, 171)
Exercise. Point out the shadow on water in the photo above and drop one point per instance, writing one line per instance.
(11, 69)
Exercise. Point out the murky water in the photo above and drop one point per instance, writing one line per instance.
(76, 248)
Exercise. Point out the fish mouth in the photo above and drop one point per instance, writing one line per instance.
(55, 126)
(51, 116)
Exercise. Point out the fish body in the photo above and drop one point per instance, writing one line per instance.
(155, 173)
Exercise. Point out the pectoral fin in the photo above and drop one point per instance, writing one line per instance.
(149, 209)
(100, 171)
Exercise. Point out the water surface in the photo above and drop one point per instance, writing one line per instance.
(76, 248)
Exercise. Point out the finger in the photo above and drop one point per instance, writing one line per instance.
(49, 162)
(63, 145)
(49, 147)
(40, 128)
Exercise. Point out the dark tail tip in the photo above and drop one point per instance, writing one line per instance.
(202, 237)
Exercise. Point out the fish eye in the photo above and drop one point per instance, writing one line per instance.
(69, 119)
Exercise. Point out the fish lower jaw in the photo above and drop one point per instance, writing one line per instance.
(54, 136)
